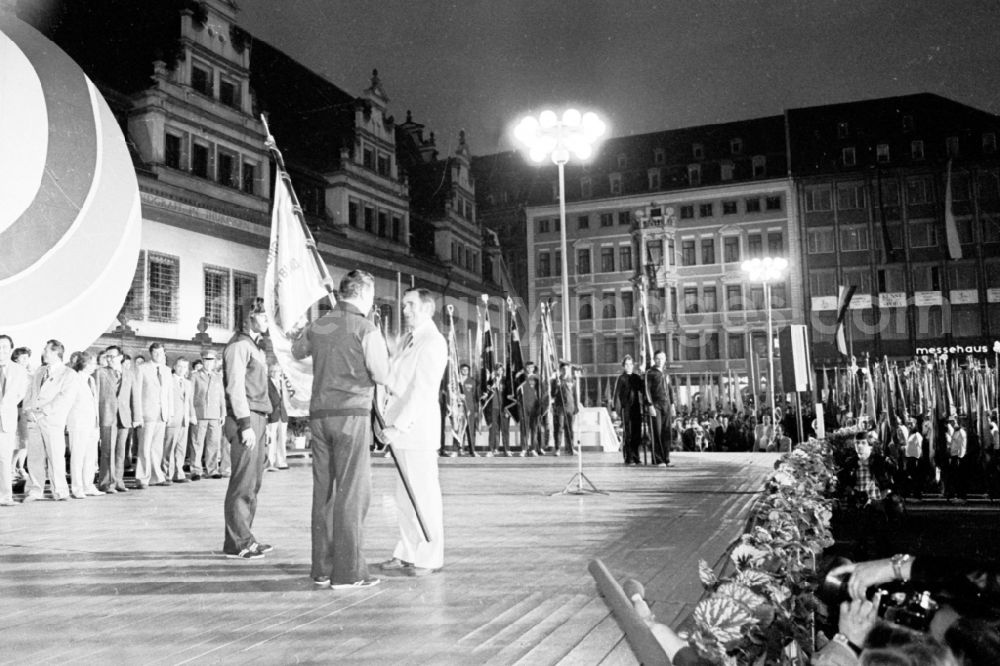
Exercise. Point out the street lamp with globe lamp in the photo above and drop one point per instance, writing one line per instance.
(767, 270)
(558, 138)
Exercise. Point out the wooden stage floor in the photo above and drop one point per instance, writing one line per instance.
(138, 578)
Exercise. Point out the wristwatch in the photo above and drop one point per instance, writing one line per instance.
(847, 642)
(899, 560)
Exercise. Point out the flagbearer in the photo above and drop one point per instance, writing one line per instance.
(411, 416)
(497, 415)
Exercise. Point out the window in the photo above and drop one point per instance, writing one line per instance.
(383, 226)
(229, 93)
(201, 79)
(586, 307)
(919, 190)
(917, 150)
(385, 166)
(542, 225)
(731, 248)
(671, 252)
(614, 182)
(368, 158)
(622, 161)
(823, 283)
(759, 166)
(734, 297)
(694, 175)
(860, 278)
(654, 179)
(628, 307)
(882, 153)
(775, 243)
(959, 187)
(926, 277)
(608, 310)
(544, 265)
(226, 172)
(951, 146)
(249, 178)
(397, 231)
(628, 346)
(582, 262)
(890, 193)
(706, 210)
(659, 156)
(687, 212)
(698, 151)
(163, 274)
(216, 292)
(842, 130)
(729, 208)
(692, 347)
(609, 350)
(853, 237)
(820, 241)
(989, 186)
(755, 299)
(607, 219)
(907, 123)
(736, 146)
(989, 143)
(352, 213)
(962, 276)
(726, 170)
(736, 345)
(587, 351)
(199, 160)
(583, 222)
(710, 300)
(172, 151)
(586, 188)
(850, 196)
(369, 219)
(654, 252)
(557, 263)
(991, 231)
(711, 346)
(818, 198)
(773, 203)
(755, 245)
(607, 260)
(624, 218)
(244, 288)
(707, 251)
(690, 300)
(923, 233)
(625, 258)
(779, 295)
(752, 205)
(687, 253)
(848, 157)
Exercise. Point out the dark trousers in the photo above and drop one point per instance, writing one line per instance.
(500, 429)
(661, 437)
(244, 484)
(531, 433)
(341, 495)
(631, 436)
(106, 458)
(914, 482)
(955, 481)
(562, 422)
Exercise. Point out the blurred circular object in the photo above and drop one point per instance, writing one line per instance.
(70, 213)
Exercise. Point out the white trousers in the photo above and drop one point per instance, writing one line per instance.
(277, 443)
(82, 458)
(46, 448)
(8, 441)
(149, 458)
(421, 468)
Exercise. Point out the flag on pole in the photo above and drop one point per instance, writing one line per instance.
(845, 294)
(950, 228)
(514, 375)
(487, 363)
(292, 284)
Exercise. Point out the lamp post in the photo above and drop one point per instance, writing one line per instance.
(767, 270)
(557, 138)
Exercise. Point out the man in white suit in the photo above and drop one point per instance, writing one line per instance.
(413, 429)
(46, 407)
(13, 386)
(181, 416)
(155, 396)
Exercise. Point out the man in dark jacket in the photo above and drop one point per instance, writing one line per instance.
(564, 408)
(628, 403)
(656, 387)
(531, 433)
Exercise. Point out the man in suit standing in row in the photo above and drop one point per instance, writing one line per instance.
(210, 413)
(181, 416)
(155, 397)
(656, 388)
(564, 408)
(46, 408)
(13, 386)
(115, 402)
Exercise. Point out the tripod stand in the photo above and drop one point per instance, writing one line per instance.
(579, 478)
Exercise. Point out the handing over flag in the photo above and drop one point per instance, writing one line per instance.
(843, 303)
(294, 281)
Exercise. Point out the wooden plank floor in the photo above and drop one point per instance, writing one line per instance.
(138, 578)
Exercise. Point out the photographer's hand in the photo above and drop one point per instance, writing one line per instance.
(857, 619)
(865, 575)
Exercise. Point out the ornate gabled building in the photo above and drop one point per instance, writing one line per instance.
(189, 87)
(872, 183)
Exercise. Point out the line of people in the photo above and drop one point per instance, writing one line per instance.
(114, 414)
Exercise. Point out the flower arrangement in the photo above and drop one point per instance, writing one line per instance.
(762, 611)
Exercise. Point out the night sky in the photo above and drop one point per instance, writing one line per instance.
(645, 65)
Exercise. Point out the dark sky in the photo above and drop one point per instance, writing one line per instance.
(645, 65)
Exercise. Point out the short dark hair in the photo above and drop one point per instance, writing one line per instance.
(19, 352)
(464, 365)
(658, 352)
(80, 359)
(57, 347)
(352, 284)
(115, 347)
(425, 294)
(250, 306)
(4, 336)
(155, 345)
(126, 357)
(140, 356)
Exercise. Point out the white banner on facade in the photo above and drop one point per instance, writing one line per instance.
(824, 303)
(963, 296)
(924, 298)
(895, 299)
(993, 295)
(861, 302)
(292, 284)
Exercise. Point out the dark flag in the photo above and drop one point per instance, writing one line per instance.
(514, 376)
(843, 303)
(487, 363)
(887, 247)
